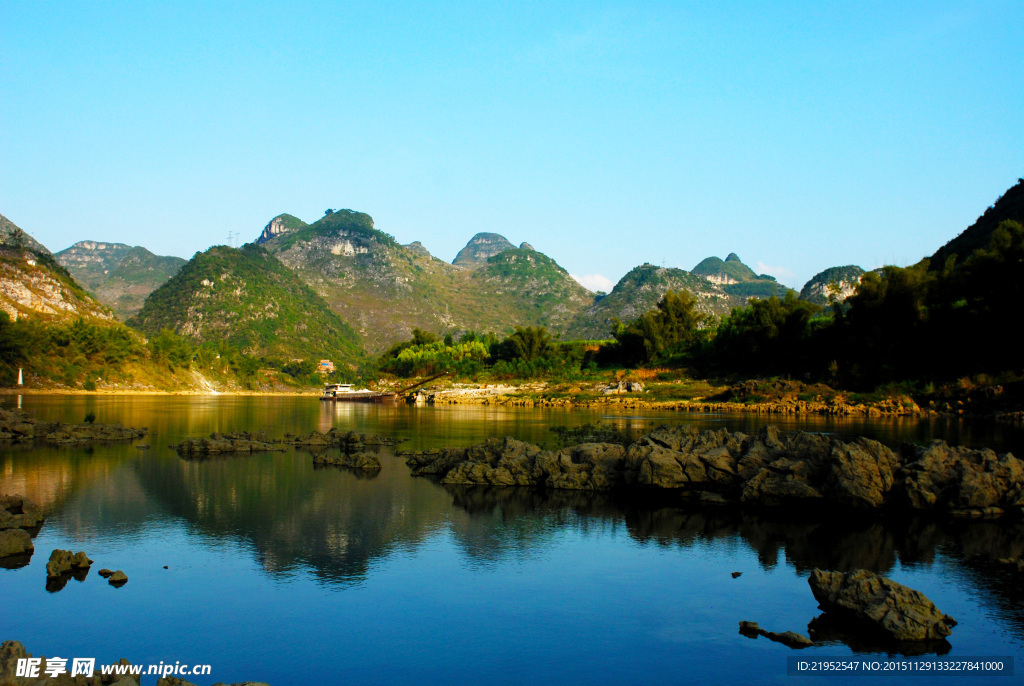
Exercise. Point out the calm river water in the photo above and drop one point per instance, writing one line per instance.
(283, 573)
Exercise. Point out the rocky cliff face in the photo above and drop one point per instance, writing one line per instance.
(120, 276)
(835, 284)
(34, 284)
(481, 247)
(282, 223)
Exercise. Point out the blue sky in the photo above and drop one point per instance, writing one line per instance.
(798, 135)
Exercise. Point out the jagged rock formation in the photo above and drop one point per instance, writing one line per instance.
(878, 604)
(481, 247)
(17, 425)
(282, 223)
(418, 249)
(120, 276)
(768, 469)
(250, 299)
(234, 442)
(34, 284)
(835, 284)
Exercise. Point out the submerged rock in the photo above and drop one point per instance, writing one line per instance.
(790, 639)
(879, 604)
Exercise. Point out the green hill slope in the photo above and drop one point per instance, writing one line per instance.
(1009, 206)
(250, 299)
(639, 291)
(119, 275)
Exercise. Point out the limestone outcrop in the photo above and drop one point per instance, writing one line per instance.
(880, 605)
(770, 468)
(18, 425)
(234, 442)
(357, 460)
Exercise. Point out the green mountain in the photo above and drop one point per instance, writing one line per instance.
(34, 284)
(248, 298)
(639, 291)
(731, 270)
(1010, 205)
(385, 289)
(837, 283)
(480, 248)
(120, 276)
(737, 279)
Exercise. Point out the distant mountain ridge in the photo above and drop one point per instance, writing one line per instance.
(385, 289)
(119, 275)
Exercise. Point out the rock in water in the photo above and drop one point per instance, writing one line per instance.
(118, 578)
(18, 512)
(80, 560)
(105, 573)
(59, 564)
(899, 612)
(15, 542)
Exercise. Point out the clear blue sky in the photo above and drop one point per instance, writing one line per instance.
(798, 135)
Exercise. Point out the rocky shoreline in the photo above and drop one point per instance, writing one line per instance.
(770, 469)
(18, 425)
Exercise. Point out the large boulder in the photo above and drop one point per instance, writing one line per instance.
(880, 605)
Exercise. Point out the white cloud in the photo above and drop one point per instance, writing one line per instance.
(594, 282)
(784, 275)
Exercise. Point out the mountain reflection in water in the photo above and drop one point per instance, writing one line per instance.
(594, 586)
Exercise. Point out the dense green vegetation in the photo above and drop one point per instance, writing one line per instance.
(247, 298)
(527, 353)
(910, 323)
(88, 355)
